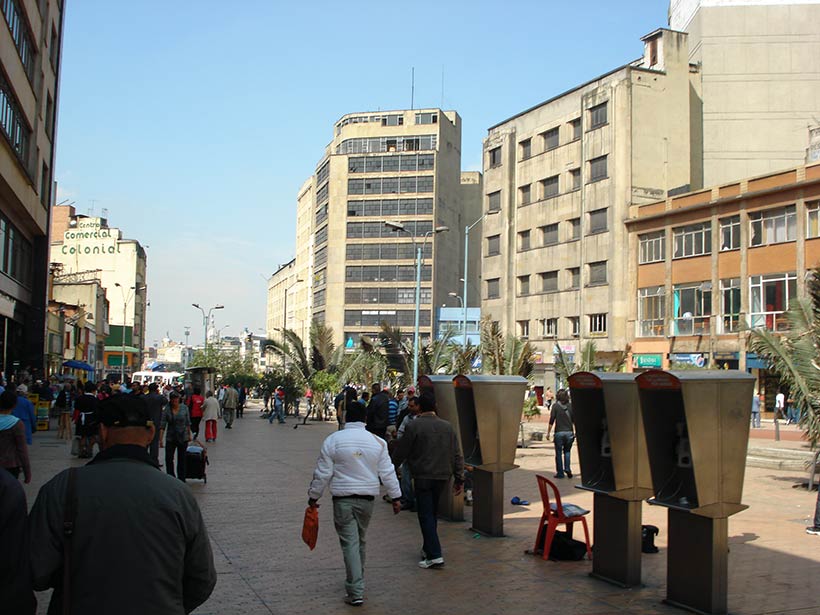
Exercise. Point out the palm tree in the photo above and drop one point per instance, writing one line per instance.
(795, 355)
(511, 356)
(464, 357)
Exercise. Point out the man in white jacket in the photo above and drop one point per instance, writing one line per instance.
(352, 461)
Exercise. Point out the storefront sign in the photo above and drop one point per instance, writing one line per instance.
(647, 360)
(697, 359)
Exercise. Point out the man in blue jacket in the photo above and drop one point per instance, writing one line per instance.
(24, 410)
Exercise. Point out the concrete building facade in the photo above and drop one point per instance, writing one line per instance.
(559, 179)
(759, 96)
(30, 58)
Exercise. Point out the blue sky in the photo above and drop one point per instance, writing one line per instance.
(194, 123)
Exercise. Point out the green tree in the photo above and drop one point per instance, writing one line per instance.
(508, 355)
(230, 366)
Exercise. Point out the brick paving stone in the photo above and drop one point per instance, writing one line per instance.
(255, 497)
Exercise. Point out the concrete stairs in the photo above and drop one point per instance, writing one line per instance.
(772, 458)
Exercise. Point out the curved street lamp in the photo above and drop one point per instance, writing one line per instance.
(207, 317)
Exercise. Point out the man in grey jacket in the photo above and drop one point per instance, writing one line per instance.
(352, 461)
(139, 544)
(229, 406)
(431, 449)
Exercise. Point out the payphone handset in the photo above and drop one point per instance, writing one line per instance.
(682, 448)
(606, 445)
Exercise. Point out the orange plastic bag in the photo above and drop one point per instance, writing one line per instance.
(310, 527)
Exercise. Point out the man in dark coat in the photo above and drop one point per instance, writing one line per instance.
(155, 402)
(378, 411)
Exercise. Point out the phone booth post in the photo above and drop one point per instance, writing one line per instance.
(615, 467)
(697, 433)
(451, 506)
(489, 416)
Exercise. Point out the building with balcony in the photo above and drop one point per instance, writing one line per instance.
(30, 58)
(705, 265)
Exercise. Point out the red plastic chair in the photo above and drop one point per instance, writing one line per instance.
(556, 514)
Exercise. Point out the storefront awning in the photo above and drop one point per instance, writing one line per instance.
(78, 365)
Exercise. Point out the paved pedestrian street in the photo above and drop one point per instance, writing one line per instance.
(255, 498)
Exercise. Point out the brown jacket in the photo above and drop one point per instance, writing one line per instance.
(431, 449)
(14, 450)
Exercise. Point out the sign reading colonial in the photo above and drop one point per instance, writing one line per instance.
(89, 236)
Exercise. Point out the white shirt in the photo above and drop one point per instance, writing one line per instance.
(351, 462)
(779, 400)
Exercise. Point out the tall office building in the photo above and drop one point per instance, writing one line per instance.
(559, 179)
(759, 96)
(30, 60)
(402, 167)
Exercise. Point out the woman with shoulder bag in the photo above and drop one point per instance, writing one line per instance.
(175, 432)
(561, 417)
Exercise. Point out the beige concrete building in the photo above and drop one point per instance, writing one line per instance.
(558, 182)
(286, 294)
(30, 58)
(90, 321)
(397, 166)
(759, 62)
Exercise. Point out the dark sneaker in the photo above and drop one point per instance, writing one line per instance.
(431, 563)
(558, 476)
(569, 474)
(813, 530)
(354, 601)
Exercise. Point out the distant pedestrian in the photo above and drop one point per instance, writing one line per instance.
(392, 409)
(561, 418)
(155, 404)
(345, 398)
(242, 396)
(176, 429)
(196, 410)
(85, 418)
(352, 462)
(780, 405)
(62, 405)
(549, 397)
(24, 410)
(278, 407)
(431, 449)
(378, 411)
(210, 414)
(13, 447)
(229, 406)
(757, 400)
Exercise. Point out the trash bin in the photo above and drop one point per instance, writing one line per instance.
(615, 467)
(489, 414)
(451, 506)
(697, 432)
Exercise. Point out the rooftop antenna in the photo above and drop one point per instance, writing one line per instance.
(104, 213)
(91, 209)
(412, 87)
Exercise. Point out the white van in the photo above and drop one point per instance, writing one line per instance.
(161, 378)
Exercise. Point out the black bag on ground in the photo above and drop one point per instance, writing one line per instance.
(565, 548)
(196, 458)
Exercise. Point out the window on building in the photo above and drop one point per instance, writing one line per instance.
(45, 185)
(597, 115)
(549, 187)
(494, 201)
(426, 118)
(693, 308)
(730, 233)
(549, 234)
(396, 120)
(523, 328)
(597, 273)
(651, 247)
(549, 281)
(730, 305)
(770, 297)
(49, 117)
(575, 179)
(524, 240)
(551, 139)
(597, 221)
(773, 226)
(597, 324)
(597, 169)
(549, 327)
(525, 194)
(12, 122)
(20, 34)
(813, 219)
(54, 47)
(574, 228)
(651, 311)
(574, 325)
(692, 240)
(574, 277)
(525, 147)
(494, 245)
(495, 157)
(493, 288)
(523, 285)
(575, 126)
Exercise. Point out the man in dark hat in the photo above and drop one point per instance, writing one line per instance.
(136, 541)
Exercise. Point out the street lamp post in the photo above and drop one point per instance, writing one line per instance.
(396, 226)
(207, 317)
(466, 265)
(132, 291)
(187, 333)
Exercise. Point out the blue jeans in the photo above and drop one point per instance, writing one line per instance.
(755, 419)
(563, 445)
(428, 492)
(277, 413)
(407, 495)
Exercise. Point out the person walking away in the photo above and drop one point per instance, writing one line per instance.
(561, 418)
(266, 400)
(13, 447)
(24, 410)
(278, 407)
(16, 594)
(229, 406)
(431, 449)
(240, 402)
(392, 410)
(196, 410)
(408, 497)
(85, 411)
(378, 411)
(220, 397)
(155, 403)
(62, 407)
(352, 462)
(309, 401)
(549, 397)
(142, 547)
(757, 400)
(176, 427)
(779, 405)
(210, 414)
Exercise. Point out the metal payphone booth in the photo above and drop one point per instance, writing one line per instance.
(451, 506)
(697, 432)
(489, 415)
(615, 467)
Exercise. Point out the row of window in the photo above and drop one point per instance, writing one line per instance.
(320, 257)
(376, 145)
(390, 185)
(385, 251)
(551, 139)
(390, 207)
(321, 236)
(406, 296)
(323, 193)
(765, 228)
(368, 230)
(386, 273)
(12, 122)
(20, 33)
(396, 318)
(387, 120)
(15, 253)
(323, 173)
(548, 280)
(321, 213)
(548, 235)
(319, 298)
(548, 327)
(390, 164)
(691, 306)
